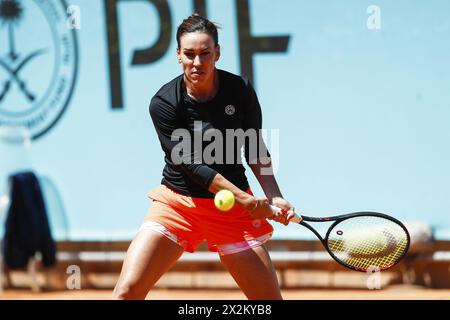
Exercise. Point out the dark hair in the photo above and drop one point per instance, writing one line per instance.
(196, 23)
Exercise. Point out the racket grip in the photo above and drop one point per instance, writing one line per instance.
(296, 218)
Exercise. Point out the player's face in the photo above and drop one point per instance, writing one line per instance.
(198, 55)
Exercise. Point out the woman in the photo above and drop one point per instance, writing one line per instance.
(206, 100)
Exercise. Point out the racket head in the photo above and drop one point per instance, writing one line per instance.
(367, 241)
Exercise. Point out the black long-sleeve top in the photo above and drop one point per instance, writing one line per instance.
(178, 120)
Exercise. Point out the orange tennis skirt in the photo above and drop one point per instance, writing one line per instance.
(189, 221)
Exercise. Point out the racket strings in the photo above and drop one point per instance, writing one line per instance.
(368, 242)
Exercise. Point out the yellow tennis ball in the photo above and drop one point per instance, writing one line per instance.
(224, 200)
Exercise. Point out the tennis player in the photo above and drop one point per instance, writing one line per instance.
(183, 214)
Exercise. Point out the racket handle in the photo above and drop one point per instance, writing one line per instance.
(296, 218)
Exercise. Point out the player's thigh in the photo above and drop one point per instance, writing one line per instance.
(149, 256)
(254, 273)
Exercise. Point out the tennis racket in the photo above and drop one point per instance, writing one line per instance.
(361, 241)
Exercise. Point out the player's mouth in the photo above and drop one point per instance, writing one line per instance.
(197, 74)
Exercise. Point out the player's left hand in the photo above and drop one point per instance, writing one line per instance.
(286, 213)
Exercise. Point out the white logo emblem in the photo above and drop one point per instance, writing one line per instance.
(36, 102)
(230, 109)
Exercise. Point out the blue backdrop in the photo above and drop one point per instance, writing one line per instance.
(363, 112)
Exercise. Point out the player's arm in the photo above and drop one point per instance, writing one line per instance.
(260, 161)
(263, 171)
(258, 208)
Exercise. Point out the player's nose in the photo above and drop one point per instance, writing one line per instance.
(197, 61)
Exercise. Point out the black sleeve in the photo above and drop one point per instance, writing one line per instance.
(253, 120)
(166, 121)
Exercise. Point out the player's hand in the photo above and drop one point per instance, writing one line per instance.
(285, 214)
(260, 208)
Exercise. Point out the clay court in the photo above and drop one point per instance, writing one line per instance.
(393, 293)
(305, 272)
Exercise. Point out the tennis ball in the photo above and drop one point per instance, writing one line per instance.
(224, 200)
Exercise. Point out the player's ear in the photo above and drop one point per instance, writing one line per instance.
(217, 49)
(179, 55)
